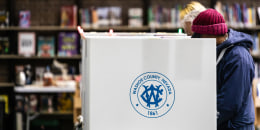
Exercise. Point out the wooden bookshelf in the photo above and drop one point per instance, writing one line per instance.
(5, 84)
(17, 57)
(50, 89)
(77, 57)
(116, 28)
(253, 28)
(39, 28)
(49, 115)
(55, 113)
(59, 28)
(119, 28)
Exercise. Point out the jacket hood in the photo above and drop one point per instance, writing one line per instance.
(236, 38)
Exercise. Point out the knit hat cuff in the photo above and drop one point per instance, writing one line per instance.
(215, 29)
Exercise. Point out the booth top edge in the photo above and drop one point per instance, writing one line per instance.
(135, 35)
(132, 34)
(124, 35)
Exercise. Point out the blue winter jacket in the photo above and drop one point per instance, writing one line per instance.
(235, 73)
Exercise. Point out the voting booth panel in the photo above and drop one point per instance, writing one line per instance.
(148, 83)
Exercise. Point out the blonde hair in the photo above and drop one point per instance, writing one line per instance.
(193, 5)
(192, 10)
(191, 16)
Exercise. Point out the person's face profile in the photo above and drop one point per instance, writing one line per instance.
(187, 28)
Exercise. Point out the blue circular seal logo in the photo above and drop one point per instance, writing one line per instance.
(152, 94)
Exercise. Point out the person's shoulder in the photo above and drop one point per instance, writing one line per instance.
(238, 50)
(239, 54)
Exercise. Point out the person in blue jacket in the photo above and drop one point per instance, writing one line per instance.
(235, 71)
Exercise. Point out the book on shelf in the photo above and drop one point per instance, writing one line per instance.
(245, 14)
(43, 103)
(94, 17)
(65, 102)
(25, 18)
(68, 44)
(26, 43)
(46, 104)
(135, 17)
(151, 18)
(177, 15)
(4, 18)
(114, 15)
(85, 17)
(238, 15)
(164, 17)
(46, 46)
(251, 17)
(103, 18)
(174, 17)
(20, 104)
(69, 16)
(4, 99)
(33, 103)
(4, 45)
(20, 109)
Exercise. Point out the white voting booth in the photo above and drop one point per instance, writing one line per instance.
(148, 82)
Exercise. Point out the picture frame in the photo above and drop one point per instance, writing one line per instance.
(26, 43)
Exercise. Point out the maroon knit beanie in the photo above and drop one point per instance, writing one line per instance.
(209, 22)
